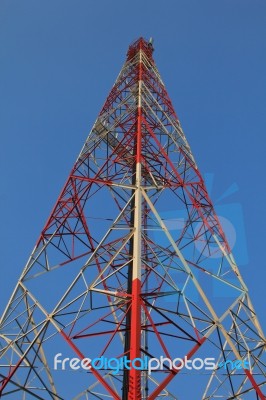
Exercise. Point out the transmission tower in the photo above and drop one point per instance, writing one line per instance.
(127, 268)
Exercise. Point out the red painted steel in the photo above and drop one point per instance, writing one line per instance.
(131, 256)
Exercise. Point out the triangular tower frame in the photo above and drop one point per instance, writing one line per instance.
(112, 275)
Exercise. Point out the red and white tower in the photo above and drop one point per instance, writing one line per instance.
(127, 268)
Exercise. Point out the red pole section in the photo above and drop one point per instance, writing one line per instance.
(135, 332)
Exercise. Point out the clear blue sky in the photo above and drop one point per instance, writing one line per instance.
(58, 61)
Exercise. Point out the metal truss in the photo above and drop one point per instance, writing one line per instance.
(128, 265)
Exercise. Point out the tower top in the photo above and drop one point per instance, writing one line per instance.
(141, 44)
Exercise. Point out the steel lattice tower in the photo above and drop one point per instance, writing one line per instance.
(112, 275)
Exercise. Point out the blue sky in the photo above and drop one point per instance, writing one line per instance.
(59, 59)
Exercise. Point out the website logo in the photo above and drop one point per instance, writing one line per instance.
(144, 364)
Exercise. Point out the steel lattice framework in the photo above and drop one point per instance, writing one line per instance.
(113, 275)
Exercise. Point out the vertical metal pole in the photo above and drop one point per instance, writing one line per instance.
(133, 379)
